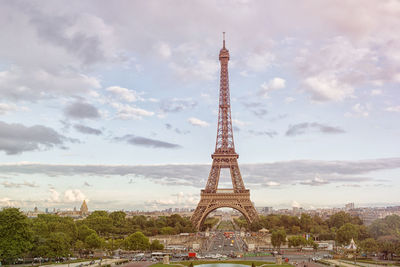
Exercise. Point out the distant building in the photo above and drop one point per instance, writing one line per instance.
(349, 206)
(266, 210)
(84, 209)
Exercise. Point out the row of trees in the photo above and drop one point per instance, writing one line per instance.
(53, 236)
(340, 226)
(387, 242)
(116, 223)
(383, 235)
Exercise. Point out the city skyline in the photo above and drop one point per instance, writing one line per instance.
(121, 110)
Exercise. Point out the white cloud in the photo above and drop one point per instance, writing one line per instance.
(74, 195)
(203, 69)
(393, 109)
(7, 202)
(8, 184)
(197, 122)
(376, 92)
(315, 182)
(272, 183)
(70, 195)
(192, 62)
(30, 85)
(5, 108)
(258, 62)
(129, 112)
(359, 110)
(273, 84)
(240, 123)
(289, 99)
(124, 93)
(163, 49)
(295, 204)
(327, 88)
(54, 195)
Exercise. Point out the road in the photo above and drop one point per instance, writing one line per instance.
(222, 244)
(138, 264)
(96, 263)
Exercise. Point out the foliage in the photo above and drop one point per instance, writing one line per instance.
(57, 245)
(116, 223)
(137, 241)
(156, 245)
(255, 226)
(54, 236)
(278, 238)
(168, 230)
(15, 234)
(84, 231)
(100, 222)
(249, 263)
(93, 241)
(339, 219)
(209, 223)
(297, 241)
(389, 226)
(345, 233)
(369, 245)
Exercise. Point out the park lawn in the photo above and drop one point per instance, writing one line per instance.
(163, 265)
(256, 263)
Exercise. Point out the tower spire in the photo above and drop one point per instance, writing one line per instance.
(224, 144)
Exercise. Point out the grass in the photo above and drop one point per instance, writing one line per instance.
(256, 263)
(163, 265)
(378, 262)
(226, 225)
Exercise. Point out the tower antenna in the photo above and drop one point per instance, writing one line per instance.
(223, 37)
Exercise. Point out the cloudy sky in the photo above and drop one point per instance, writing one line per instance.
(116, 102)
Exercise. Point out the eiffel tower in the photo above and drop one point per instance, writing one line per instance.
(211, 197)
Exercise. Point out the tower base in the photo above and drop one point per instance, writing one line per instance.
(223, 198)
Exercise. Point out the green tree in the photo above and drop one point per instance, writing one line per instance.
(297, 241)
(15, 234)
(156, 245)
(278, 238)
(389, 226)
(339, 219)
(84, 231)
(100, 222)
(387, 248)
(93, 241)
(137, 241)
(369, 245)
(346, 232)
(168, 230)
(45, 224)
(79, 246)
(58, 245)
(295, 229)
(306, 222)
(255, 226)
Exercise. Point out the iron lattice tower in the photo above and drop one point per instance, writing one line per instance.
(211, 197)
